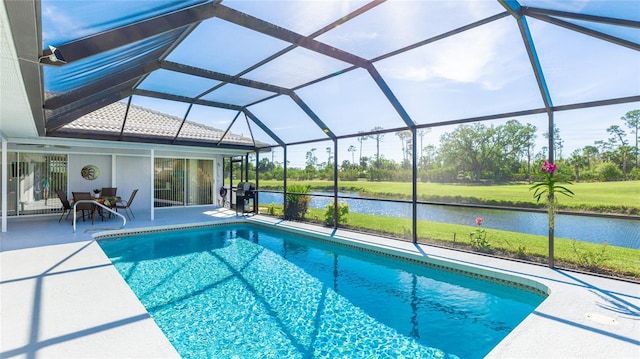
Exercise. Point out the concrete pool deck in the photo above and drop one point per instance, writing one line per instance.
(61, 298)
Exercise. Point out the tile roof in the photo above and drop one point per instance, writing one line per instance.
(143, 121)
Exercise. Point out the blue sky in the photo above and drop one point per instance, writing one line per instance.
(479, 72)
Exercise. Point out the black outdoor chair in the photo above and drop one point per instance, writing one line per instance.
(66, 206)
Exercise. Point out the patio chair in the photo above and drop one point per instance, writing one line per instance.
(85, 207)
(126, 205)
(108, 191)
(66, 206)
(110, 194)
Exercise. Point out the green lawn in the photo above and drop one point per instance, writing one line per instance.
(619, 260)
(608, 197)
(615, 197)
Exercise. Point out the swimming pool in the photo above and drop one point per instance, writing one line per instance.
(244, 290)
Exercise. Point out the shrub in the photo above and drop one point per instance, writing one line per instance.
(589, 259)
(271, 209)
(343, 211)
(608, 171)
(297, 202)
(634, 174)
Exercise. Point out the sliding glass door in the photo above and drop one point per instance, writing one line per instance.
(32, 181)
(183, 182)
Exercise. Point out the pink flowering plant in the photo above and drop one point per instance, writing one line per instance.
(479, 236)
(548, 187)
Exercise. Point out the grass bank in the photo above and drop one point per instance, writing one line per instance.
(597, 258)
(600, 197)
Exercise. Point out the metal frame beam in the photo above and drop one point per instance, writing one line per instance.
(264, 128)
(586, 31)
(55, 123)
(109, 40)
(390, 96)
(213, 75)
(171, 97)
(68, 98)
(535, 62)
(312, 115)
(289, 36)
(533, 11)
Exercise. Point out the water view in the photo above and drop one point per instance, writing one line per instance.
(617, 232)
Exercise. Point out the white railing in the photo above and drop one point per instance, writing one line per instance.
(124, 220)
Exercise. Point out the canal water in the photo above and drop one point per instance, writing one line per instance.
(616, 232)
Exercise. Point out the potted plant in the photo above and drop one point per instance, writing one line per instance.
(96, 192)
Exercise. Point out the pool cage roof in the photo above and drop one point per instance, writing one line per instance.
(256, 74)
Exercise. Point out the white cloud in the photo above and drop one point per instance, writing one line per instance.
(60, 25)
(466, 58)
(491, 56)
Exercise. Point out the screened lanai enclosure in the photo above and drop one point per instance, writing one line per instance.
(424, 120)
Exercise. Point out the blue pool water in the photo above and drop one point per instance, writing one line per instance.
(243, 291)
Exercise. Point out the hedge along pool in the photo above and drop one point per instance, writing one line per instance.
(241, 290)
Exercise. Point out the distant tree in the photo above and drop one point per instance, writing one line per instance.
(578, 161)
(513, 141)
(378, 138)
(632, 120)
(467, 148)
(591, 154)
(311, 162)
(492, 152)
(529, 138)
(558, 142)
(618, 136)
(421, 133)
(310, 158)
(329, 152)
(265, 165)
(429, 158)
(352, 149)
(360, 140)
(363, 162)
(608, 171)
(405, 139)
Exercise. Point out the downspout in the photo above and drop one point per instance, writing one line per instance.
(284, 199)
(152, 184)
(4, 185)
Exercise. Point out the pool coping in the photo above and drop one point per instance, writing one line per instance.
(411, 254)
(577, 306)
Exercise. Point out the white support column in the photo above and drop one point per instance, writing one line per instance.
(151, 184)
(114, 182)
(4, 185)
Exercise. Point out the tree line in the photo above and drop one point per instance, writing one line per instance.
(476, 153)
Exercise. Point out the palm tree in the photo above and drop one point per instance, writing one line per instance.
(378, 137)
(361, 139)
(352, 149)
(632, 119)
